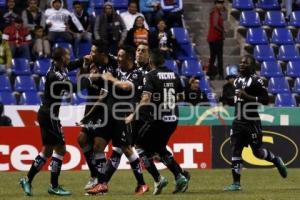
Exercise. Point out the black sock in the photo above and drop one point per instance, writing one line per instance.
(56, 164)
(36, 166)
(236, 167)
(149, 165)
(100, 162)
(112, 164)
(178, 166)
(136, 168)
(172, 165)
(269, 155)
(88, 154)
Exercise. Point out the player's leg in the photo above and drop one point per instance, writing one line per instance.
(113, 162)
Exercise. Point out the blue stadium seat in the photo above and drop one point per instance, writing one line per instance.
(73, 78)
(41, 66)
(24, 83)
(282, 36)
(295, 19)
(172, 65)
(256, 36)
(84, 48)
(288, 53)
(297, 86)
(191, 68)
(271, 69)
(181, 35)
(66, 46)
(278, 85)
(297, 39)
(250, 18)
(120, 4)
(42, 84)
(274, 19)
(268, 4)
(186, 52)
(97, 3)
(293, 69)
(4, 83)
(232, 70)
(204, 85)
(3, 3)
(77, 100)
(285, 100)
(73, 72)
(30, 98)
(7, 98)
(20, 66)
(242, 4)
(263, 53)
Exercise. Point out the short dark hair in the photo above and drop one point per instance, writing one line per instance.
(58, 53)
(76, 3)
(157, 58)
(129, 52)
(101, 46)
(251, 61)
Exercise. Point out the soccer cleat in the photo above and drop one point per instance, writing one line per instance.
(141, 189)
(59, 191)
(93, 181)
(187, 175)
(181, 185)
(26, 186)
(280, 166)
(100, 188)
(158, 186)
(233, 187)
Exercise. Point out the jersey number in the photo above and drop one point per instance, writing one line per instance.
(169, 98)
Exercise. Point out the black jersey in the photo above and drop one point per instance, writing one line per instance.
(164, 86)
(253, 85)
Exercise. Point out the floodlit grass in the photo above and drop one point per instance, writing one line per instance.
(257, 184)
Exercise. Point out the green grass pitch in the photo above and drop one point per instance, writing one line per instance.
(257, 184)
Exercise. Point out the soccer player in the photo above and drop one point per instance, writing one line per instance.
(246, 127)
(159, 109)
(57, 83)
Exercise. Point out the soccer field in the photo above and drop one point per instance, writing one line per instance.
(258, 184)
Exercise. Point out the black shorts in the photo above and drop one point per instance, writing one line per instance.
(51, 129)
(154, 135)
(122, 133)
(246, 133)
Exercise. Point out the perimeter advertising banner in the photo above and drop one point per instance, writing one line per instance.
(19, 146)
(282, 141)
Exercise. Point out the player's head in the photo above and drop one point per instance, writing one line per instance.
(61, 57)
(247, 65)
(1, 109)
(125, 57)
(142, 54)
(156, 59)
(98, 52)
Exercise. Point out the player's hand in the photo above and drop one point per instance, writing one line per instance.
(241, 93)
(129, 119)
(88, 59)
(107, 76)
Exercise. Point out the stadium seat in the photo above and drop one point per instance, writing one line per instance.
(293, 69)
(172, 65)
(285, 100)
(297, 86)
(263, 53)
(20, 66)
(297, 39)
(268, 5)
(41, 66)
(24, 83)
(4, 83)
(2, 3)
(42, 84)
(77, 100)
(30, 98)
(271, 69)
(191, 68)
(73, 78)
(181, 35)
(232, 70)
(282, 36)
(84, 48)
(186, 52)
(250, 18)
(66, 46)
(295, 19)
(204, 85)
(97, 3)
(73, 72)
(274, 19)
(242, 4)
(256, 36)
(120, 4)
(288, 53)
(278, 85)
(7, 98)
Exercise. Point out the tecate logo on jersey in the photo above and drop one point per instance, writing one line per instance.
(279, 143)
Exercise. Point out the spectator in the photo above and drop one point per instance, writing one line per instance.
(131, 14)
(173, 10)
(10, 14)
(163, 39)
(110, 28)
(33, 16)
(4, 120)
(228, 92)
(5, 56)
(44, 4)
(41, 45)
(85, 21)
(193, 94)
(215, 37)
(138, 34)
(18, 38)
(57, 20)
(151, 10)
